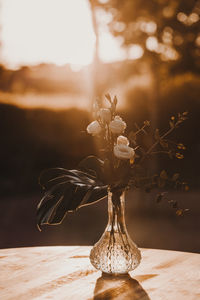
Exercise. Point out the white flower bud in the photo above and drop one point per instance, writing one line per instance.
(94, 128)
(124, 152)
(117, 125)
(105, 115)
(122, 140)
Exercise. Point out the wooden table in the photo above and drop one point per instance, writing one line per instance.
(65, 273)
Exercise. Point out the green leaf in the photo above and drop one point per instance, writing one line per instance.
(66, 191)
(94, 166)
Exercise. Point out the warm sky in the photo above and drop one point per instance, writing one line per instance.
(57, 32)
(52, 31)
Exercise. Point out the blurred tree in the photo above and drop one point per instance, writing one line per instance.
(167, 30)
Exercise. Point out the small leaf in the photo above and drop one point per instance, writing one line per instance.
(179, 212)
(175, 176)
(159, 197)
(171, 124)
(115, 101)
(179, 155)
(163, 143)
(163, 174)
(180, 146)
(147, 123)
(108, 97)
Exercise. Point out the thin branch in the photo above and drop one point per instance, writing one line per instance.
(140, 129)
(157, 142)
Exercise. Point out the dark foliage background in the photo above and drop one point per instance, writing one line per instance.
(33, 140)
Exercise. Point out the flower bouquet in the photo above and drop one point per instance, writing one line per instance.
(122, 166)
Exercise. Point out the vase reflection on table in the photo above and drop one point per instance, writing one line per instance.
(122, 287)
(115, 252)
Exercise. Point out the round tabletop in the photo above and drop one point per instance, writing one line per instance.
(65, 272)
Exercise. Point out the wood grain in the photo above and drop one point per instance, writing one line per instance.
(66, 273)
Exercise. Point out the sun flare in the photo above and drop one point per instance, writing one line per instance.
(50, 31)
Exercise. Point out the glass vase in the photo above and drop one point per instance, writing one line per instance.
(115, 252)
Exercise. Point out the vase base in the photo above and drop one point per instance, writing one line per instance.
(118, 259)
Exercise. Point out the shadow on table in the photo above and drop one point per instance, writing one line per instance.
(121, 287)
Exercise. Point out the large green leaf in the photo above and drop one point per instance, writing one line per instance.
(66, 191)
(93, 166)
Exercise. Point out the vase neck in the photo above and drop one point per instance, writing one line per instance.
(116, 206)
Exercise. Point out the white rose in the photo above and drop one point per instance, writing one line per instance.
(105, 115)
(122, 140)
(94, 128)
(124, 152)
(117, 125)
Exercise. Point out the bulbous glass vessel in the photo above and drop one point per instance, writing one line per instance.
(115, 252)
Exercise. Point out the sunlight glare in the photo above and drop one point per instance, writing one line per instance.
(109, 48)
(50, 31)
